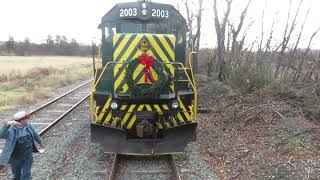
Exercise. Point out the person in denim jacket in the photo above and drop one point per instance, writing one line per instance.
(4, 126)
(19, 147)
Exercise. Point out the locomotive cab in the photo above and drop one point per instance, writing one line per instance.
(143, 99)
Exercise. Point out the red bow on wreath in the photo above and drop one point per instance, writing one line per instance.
(148, 61)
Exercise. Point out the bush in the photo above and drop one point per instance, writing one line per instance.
(249, 78)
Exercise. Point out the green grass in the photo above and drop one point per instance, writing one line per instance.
(295, 144)
(34, 81)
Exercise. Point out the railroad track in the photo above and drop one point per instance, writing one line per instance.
(144, 167)
(49, 114)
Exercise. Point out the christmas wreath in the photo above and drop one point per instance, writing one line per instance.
(144, 89)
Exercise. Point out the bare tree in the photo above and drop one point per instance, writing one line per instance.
(220, 32)
(235, 32)
(299, 69)
(262, 32)
(267, 48)
(293, 51)
(286, 36)
(194, 38)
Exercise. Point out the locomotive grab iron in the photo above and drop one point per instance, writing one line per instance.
(143, 99)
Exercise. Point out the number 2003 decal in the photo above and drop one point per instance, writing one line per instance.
(160, 13)
(128, 12)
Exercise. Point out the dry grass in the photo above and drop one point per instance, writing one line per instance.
(29, 79)
(23, 64)
(256, 135)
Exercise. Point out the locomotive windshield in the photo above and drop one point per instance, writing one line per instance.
(142, 27)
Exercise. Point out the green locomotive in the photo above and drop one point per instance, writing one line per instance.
(143, 99)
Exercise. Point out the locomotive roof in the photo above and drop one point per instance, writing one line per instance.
(114, 14)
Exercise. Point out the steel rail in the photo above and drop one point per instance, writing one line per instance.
(172, 162)
(114, 167)
(44, 130)
(58, 98)
(175, 167)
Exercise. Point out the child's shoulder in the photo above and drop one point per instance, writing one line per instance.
(12, 128)
(29, 126)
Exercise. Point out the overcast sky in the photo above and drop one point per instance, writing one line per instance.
(79, 18)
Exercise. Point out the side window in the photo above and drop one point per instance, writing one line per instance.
(114, 29)
(110, 30)
(179, 35)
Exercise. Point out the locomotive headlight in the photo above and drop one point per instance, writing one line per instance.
(174, 104)
(144, 12)
(114, 105)
(144, 5)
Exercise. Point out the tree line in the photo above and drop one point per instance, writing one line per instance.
(58, 45)
(234, 55)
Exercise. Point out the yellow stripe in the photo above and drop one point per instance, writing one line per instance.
(160, 52)
(148, 107)
(131, 48)
(137, 71)
(122, 75)
(172, 39)
(180, 118)
(127, 53)
(166, 46)
(160, 112)
(174, 122)
(104, 110)
(165, 107)
(125, 118)
(154, 74)
(97, 109)
(121, 46)
(162, 55)
(185, 111)
(114, 122)
(107, 120)
(125, 88)
(116, 38)
(123, 107)
(158, 108)
(134, 118)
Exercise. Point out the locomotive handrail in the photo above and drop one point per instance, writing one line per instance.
(193, 80)
(192, 85)
(99, 57)
(191, 67)
(94, 87)
(95, 83)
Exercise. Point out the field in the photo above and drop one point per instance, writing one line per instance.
(25, 80)
(24, 64)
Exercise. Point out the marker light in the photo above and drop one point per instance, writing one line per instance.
(144, 5)
(114, 105)
(174, 104)
(144, 12)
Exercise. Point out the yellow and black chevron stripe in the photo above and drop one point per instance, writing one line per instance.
(126, 48)
(128, 119)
